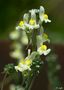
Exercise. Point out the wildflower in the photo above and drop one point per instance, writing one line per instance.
(35, 26)
(32, 22)
(28, 62)
(41, 39)
(43, 16)
(21, 25)
(24, 65)
(43, 50)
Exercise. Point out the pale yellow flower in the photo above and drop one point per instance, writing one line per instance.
(24, 64)
(32, 22)
(43, 47)
(43, 50)
(21, 23)
(43, 16)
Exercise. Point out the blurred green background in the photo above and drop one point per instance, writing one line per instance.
(11, 12)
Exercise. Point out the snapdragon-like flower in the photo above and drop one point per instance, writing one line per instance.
(43, 50)
(43, 16)
(41, 39)
(21, 25)
(32, 22)
(24, 65)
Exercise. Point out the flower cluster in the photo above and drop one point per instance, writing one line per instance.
(30, 32)
(30, 45)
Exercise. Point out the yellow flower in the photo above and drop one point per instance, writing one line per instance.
(32, 22)
(22, 61)
(45, 16)
(21, 23)
(43, 47)
(23, 65)
(28, 62)
(43, 50)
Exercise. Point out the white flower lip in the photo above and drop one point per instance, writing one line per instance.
(44, 52)
(19, 27)
(32, 26)
(22, 67)
(41, 15)
(47, 20)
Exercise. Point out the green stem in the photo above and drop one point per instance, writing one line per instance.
(32, 81)
(34, 40)
(2, 85)
(29, 80)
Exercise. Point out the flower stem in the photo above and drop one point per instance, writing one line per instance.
(34, 40)
(2, 85)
